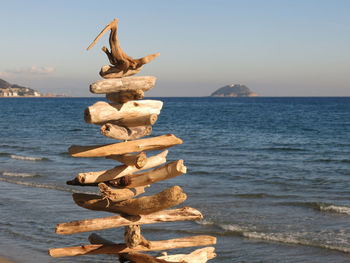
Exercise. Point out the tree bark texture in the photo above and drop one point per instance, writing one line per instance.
(117, 195)
(122, 170)
(116, 55)
(148, 144)
(125, 96)
(138, 160)
(124, 133)
(102, 112)
(139, 206)
(96, 224)
(192, 241)
(165, 172)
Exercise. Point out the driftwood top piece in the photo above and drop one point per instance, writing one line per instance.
(117, 56)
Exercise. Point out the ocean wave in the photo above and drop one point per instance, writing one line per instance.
(323, 207)
(40, 185)
(4, 154)
(335, 209)
(23, 175)
(286, 238)
(28, 158)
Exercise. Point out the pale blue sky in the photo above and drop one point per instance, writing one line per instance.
(276, 48)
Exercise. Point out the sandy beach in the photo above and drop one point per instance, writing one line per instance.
(4, 260)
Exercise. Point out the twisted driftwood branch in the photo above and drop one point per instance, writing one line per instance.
(116, 56)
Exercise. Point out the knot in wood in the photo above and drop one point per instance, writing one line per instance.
(122, 181)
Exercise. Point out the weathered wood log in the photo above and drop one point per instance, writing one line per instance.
(96, 239)
(139, 160)
(192, 241)
(165, 172)
(140, 258)
(137, 121)
(117, 195)
(102, 112)
(110, 72)
(125, 96)
(123, 133)
(201, 255)
(117, 56)
(139, 206)
(133, 237)
(148, 144)
(87, 225)
(104, 86)
(119, 171)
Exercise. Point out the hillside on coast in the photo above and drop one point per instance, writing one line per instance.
(234, 90)
(14, 90)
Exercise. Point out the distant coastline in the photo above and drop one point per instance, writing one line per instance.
(8, 90)
(234, 90)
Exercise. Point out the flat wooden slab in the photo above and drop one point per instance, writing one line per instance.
(171, 215)
(104, 86)
(148, 144)
(192, 241)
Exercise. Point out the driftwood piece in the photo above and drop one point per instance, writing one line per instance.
(102, 112)
(139, 206)
(148, 144)
(140, 258)
(123, 133)
(193, 241)
(133, 237)
(201, 255)
(118, 195)
(137, 121)
(139, 160)
(117, 56)
(124, 96)
(110, 72)
(165, 172)
(119, 171)
(87, 225)
(104, 86)
(96, 239)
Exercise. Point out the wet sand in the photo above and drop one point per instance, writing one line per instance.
(4, 260)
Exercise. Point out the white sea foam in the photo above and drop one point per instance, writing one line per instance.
(335, 209)
(287, 238)
(23, 175)
(27, 158)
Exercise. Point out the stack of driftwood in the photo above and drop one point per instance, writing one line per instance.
(129, 118)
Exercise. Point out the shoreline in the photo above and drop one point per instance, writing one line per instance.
(5, 260)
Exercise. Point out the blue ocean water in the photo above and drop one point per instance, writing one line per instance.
(270, 175)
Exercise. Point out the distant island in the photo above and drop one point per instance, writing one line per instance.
(14, 90)
(234, 90)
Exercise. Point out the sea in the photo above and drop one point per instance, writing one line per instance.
(271, 176)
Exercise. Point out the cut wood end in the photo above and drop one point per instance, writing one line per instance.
(139, 94)
(180, 167)
(148, 130)
(81, 178)
(87, 115)
(141, 160)
(176, 192)
(164, 154)
(105, 129)
(153, 118)
(176, 139)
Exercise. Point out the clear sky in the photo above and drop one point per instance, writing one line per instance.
(276, 48)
